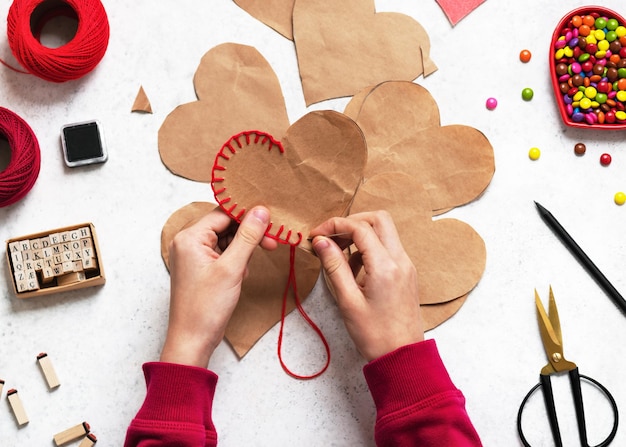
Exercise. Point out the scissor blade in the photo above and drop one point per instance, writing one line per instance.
(548, 335)
(553, 315)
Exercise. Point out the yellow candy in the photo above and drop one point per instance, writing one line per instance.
(591, 38)
(620, 31)
(621, 95)
(534, 153)
(620, 115)
(620, 198)
(600, 54)
(578, 96)
(559, 54)
(591, 92)
(599, 34)
(585, 103)
(603, 45)
(568, 52)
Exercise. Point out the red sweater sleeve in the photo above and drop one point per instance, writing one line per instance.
(416, 402)
(177, 408)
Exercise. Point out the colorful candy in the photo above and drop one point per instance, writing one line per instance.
(534, 153)
(491, 103)
(527, 94)
(620, 198)
(590, 69)
(525, 56)
(605, 159)
(580, 149)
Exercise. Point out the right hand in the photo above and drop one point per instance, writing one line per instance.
(380, 305)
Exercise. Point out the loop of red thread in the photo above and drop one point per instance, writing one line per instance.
(70, 61)
(19, 176)
(291, 282)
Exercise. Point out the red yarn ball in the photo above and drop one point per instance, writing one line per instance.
(70, 61)
(19, 176)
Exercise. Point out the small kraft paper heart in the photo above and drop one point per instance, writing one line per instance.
(400, 121)
(345, 46)
(237, 89)
(307, 177)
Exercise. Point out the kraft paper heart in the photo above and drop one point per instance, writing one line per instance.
(305, 178)
(448, 254)
(345, 46)
(237, 90)
(400, 121)
(274, 13)
(259, 307)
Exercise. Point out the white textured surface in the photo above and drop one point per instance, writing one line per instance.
(98, 338)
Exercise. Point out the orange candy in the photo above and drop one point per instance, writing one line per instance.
(584, 30)
(621, 84)
(589, 20)
(525, 56)
(577, 21)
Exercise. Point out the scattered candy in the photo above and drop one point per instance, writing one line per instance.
(534, 153)
(492, 103)
(525, 56)
(590, 69)
(580, 149)
(527, 94)
(605, 159)
(620, 198)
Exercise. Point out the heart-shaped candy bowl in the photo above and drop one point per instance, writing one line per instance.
(588, 68)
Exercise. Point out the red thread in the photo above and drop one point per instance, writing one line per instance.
(19, 176)
(71, 61)
(291, 282)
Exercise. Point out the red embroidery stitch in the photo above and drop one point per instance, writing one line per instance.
(223, 155)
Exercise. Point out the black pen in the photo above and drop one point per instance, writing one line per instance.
(582, 257)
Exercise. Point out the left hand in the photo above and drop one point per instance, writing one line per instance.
(207, 267)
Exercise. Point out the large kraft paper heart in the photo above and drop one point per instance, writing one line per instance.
(308, 176)
(345, 46)
(400, 121)
(274, 13)
(237, 90)
(448, 254)
(260, 303)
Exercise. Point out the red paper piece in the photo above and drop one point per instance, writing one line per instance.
(455, 10)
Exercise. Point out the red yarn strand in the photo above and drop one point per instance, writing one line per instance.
(19, 176)
(291, 283)
(70, 61)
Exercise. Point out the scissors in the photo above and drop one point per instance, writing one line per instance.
(550, 328)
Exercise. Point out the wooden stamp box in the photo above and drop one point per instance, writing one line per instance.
(55, 261)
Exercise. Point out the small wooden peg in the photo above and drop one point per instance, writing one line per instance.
(71, 434)
(17, 407)
(48, 370)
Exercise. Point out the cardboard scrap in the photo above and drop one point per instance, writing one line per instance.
(400, 121)
(260, 304)
(435, 314)
(312, 180)
(456, 10)
(448, 254)
(342, 47)
(274, 13)
(142, 103)
(237, 90)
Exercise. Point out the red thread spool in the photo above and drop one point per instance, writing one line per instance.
(19, 176)
(70, 61)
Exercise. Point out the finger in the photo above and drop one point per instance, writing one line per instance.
(216, 221)
(385, 228)
(249, 235)
(336, 267)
